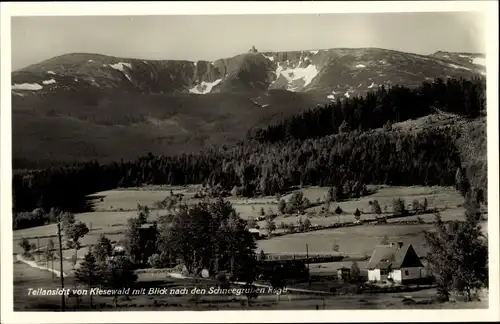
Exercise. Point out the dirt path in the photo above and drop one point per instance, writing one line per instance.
(33, 264)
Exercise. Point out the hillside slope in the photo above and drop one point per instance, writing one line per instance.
(89, 106)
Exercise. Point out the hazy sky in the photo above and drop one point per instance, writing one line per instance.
(211, 37)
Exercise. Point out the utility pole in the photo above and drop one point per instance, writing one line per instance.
(63, 306)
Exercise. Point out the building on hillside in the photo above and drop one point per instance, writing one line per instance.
(398, 262)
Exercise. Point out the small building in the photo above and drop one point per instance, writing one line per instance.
(344, 274)
(398, 262)
(255, 233)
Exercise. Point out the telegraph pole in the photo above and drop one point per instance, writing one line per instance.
(63, 306)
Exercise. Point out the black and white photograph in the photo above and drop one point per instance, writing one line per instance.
(280, 161)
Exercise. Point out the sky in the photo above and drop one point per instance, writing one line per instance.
(193, 38)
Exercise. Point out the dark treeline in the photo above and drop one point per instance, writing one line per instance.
(397, 158)
(423, 157)
(377, 108)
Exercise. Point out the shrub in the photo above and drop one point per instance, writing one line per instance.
(357, 214)
(399, 206)
(376, 207)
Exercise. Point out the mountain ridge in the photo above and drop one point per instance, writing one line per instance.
(85, 105)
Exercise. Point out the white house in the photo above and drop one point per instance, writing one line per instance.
(398, 262)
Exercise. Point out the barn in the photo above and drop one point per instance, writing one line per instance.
(397, 262)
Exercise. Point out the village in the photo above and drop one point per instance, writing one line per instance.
(388, 264)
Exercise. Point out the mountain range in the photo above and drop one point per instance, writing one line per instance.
(82, 106)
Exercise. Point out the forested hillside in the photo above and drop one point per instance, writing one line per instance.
(345, 156)
(382, 107)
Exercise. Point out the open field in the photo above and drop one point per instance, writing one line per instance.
(354, 241)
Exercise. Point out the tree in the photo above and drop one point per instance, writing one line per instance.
(262, 255)
(305, 204)
(103, 249)
(27, 247)
(281, 206)
(355, 271)
(339, 212)
(357, 214)
(74, 233)
(458, 256)
(67, 220)
(336, 247)
(344, 127)
(119, 274)
(89, 273)
(461, 182)
(398, 206)
(425, 205)
(132, 242)
(295, 203)
(252, 223)
(306, 224)
(208, 235)
(143, 213)
(388, 126)
(278, 279)
(262, 212)
(144, 244)
(332, 194)
(376, 208)
(49, 254)
(270, 226)
(416, 206)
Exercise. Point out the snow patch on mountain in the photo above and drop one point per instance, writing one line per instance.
(27, 86)
(119, 66)
(307, 74)
(51, 72)
(360, 66)
(270, 58)
(458, 67)
(51, 81)
(479, 61)
(347, 94)
(204, 87)
(90, 61)
(371, 85)
(313, 52)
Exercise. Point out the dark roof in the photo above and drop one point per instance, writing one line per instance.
(390, 256)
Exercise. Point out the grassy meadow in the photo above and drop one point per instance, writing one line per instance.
(114, 207)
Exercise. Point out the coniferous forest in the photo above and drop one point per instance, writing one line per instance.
(346, 143)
